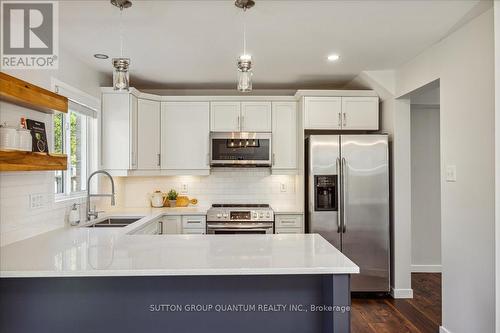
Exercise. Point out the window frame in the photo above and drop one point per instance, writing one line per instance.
(91, 149)
(66, 129)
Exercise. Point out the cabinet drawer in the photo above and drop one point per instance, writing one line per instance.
(194, 231)
(288, 231)
(289, 221)
(194, 222)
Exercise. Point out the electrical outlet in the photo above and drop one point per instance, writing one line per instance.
(36, 200)
(451, 173)
(184, 188)
(283, 187)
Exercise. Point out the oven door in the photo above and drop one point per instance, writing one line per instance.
(217, 228)
(240, 149)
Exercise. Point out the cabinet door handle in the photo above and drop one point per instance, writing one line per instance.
(345, 120)
(239, 123)
(159, 159)
(242, 123)
(339, 121)
(274, 159)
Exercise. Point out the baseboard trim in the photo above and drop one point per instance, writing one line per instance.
(401, 293)
(443, 330)
(426, 268)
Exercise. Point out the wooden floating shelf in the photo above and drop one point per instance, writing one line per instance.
(16, 91)
(12, 160)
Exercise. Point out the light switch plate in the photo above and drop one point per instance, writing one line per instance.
(36, 200)
(184, 188)
(451, 173)
(283, 187)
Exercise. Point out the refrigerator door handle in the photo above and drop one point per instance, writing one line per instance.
(339, 195)
(344, 174)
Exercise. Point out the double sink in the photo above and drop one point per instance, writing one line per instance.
(114, 222)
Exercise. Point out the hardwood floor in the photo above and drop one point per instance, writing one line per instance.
(422, 314)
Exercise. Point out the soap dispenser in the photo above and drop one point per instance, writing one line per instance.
(74, 215)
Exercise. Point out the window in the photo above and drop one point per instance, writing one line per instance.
(71, 137)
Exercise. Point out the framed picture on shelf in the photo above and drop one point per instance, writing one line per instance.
(38, 135)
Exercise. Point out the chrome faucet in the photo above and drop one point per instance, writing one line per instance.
(93, 213)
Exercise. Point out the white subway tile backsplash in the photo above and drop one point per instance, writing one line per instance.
(222, 186)
(18, 221)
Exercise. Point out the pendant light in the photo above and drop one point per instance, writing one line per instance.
(245, 60)
(121, 78)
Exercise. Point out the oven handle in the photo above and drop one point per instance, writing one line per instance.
(234, 227)
(241, 229)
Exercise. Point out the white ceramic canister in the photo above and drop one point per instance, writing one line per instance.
(25, 139)
(9, 138)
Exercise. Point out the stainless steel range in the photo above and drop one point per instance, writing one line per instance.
(240, 219)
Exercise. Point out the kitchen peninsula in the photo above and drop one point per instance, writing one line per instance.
(130, 282)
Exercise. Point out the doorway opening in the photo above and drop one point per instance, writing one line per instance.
(425, 142)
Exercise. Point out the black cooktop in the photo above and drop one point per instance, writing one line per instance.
(241, 205)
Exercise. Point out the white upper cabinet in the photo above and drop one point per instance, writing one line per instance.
(256, 117)
(360, 113)
(240, 116)
(148, 135)
(225, 116)
(284, 136)
(185, 137)
(341, 113)
(118, 131)
(323, 113)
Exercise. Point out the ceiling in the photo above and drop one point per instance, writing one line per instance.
(195, 44)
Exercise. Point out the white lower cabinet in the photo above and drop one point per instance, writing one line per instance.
(195, 224)
(175, 225)
(152, 228)
(289, 224)
(172, 225)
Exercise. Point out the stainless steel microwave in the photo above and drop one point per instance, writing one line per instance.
(245, 149)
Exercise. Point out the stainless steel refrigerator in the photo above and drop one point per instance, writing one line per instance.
(347, 198)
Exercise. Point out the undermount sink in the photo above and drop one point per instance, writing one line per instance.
(115, 222)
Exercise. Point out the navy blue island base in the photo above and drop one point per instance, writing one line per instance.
(177, 304)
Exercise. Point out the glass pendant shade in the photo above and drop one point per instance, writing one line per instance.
(245, 73)
(245, 81)
(121, 74)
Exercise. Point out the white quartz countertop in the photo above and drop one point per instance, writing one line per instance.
(81, 251)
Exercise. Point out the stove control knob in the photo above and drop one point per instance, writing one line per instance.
(268, 215)
(225, 215)
(219, 215)
(261, 215)
(254, 215)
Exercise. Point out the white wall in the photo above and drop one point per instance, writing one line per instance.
(222, 186)
(464, 63)
(425, 188)
(17, 220)
(497, 159)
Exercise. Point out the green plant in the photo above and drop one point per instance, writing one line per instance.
(172, 194)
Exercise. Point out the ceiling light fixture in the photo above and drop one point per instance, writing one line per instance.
(100, 56)
(121, 78)
(333, 57)
(245, 60)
